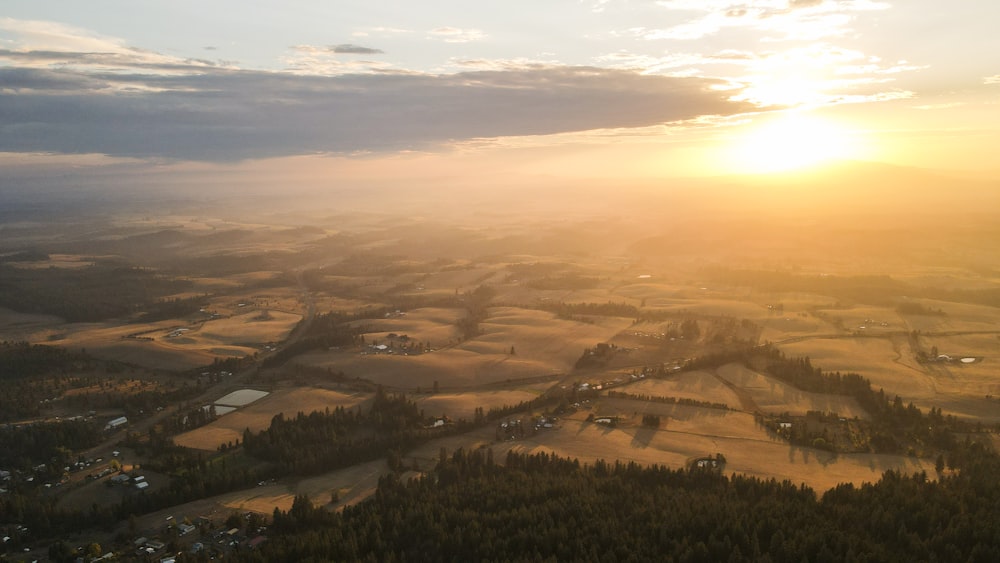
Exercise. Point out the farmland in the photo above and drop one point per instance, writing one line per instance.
(592, 349)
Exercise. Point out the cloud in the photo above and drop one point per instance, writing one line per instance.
(522, 63)
(813, 75)
(456, 35)
(24, 80)
(946, 105)
(43, 44)
(819, 74)
(786, 20)
(312, 59)
(348, 48)
(36, 34)
(225, 114)
(995, 79)
(597, 6)
(129, 61)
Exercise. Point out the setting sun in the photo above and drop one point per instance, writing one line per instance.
(791, 141)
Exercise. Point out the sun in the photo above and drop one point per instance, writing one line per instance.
(791, 141)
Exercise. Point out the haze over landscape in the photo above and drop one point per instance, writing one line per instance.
(282, 281)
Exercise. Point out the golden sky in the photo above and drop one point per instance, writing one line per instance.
(357, 92)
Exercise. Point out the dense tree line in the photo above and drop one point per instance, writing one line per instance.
(576, 310)
(33, 374)
(40, 517)
(19, 360)
(894, 426)
(194, 482)
(93, 293)
(596, 357)
(37, 376)
(476, 304)
(323, 440)
(51, 443)
(132, 402)
(22, 399)
(711, 329)
(325, 330)
(666, 400)
(545, 508)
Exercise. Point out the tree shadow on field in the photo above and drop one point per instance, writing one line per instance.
(643, 436)
(822, 457)
(793, 449)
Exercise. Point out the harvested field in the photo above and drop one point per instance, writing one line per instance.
(773, 396)
(541, 336)
(748, 450)
(451, 368)
(250, 327)
(352, 485)
(56, 261)
(463, 405)
(241, 398)
(696, 385)
(16, 326)
(258, 415)
(778, 328)
(687, 433)
(873, 358)
(958, 389)
(429, 325)
(464, 279)
(543, 344)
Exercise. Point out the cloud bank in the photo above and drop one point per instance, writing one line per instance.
(348, 48)
(222, 114)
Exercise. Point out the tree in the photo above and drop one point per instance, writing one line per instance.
(234, 520)
(690, 329)
(93, 550)
(60, 551)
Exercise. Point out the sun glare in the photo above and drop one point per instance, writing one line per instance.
(791, 141)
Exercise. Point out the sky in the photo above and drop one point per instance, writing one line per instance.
(339, 91)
